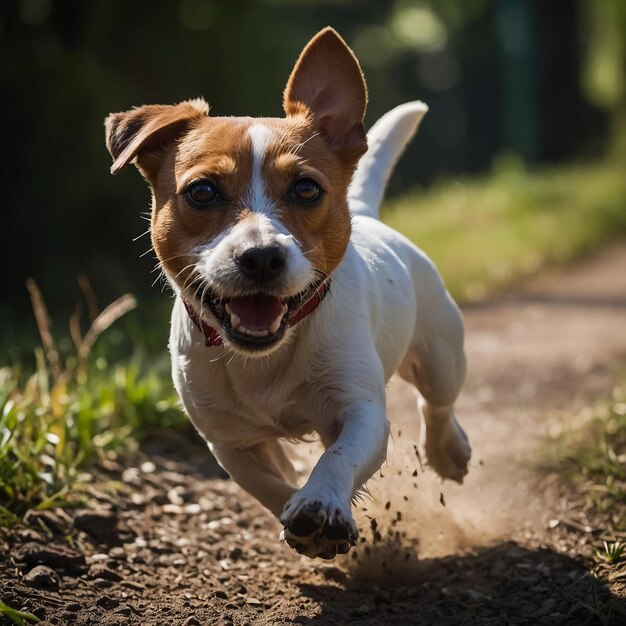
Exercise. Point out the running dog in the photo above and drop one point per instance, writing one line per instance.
(294, 303)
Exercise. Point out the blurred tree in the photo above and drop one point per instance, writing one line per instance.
(517, 27)
(603, 28)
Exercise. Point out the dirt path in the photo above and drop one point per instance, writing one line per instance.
(184, 547)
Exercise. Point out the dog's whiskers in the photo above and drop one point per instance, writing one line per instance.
(232, 358)
(177, 256)
(296, 149)
(306, 253)
(204, 290)
(188, 280)
(159, 277)
(142, 235)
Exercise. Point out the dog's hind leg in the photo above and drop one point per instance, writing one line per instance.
(435, 364)
(263, 470)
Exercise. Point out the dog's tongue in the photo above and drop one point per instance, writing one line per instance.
(258, 312)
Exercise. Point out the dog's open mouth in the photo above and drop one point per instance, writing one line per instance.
(257, 320)
(254, 321)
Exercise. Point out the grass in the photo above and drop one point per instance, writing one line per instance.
(73, 409)
(486, 234)
(20, 618)
(590, 456)
(591, 453)
(612, 552)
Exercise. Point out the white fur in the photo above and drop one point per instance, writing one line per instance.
(386, 142)
(387, 311)
(259, 201)
(217, 265)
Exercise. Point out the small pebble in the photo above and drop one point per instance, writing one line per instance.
(236, 554)
(123, 609)
(99, 523)
(43, 577)
(117, 553)
(107, 603)
(100, 570)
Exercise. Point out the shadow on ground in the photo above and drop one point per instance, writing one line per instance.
(503, 584)
(169, 447)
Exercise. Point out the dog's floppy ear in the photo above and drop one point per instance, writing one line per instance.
(328, 81)
(145, 129)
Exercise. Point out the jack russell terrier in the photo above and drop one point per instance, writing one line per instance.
(294, 303)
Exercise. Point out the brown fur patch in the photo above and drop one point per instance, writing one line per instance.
(146, 129)
(328, 80)
(216, 150)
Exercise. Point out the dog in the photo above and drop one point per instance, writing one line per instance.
(294, 303)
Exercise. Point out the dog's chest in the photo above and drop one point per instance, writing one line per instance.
(239, 404)
(270, 401)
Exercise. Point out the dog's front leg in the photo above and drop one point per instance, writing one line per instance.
(317, 518)
(263, 470)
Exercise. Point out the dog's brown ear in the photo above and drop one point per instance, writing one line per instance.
(328, 81)
(146, 129)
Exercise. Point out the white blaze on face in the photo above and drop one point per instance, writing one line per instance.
(218, 258)
(258, 200)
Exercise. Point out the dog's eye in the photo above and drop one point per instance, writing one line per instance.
(202, 193)
(307, 190)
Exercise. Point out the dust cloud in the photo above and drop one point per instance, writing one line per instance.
(411, 515)
(408, 515)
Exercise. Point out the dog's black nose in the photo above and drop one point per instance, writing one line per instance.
(262, 264)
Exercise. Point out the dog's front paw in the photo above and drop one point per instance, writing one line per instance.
(316, 528)
(447, 449)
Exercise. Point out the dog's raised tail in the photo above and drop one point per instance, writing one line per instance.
(386, 142)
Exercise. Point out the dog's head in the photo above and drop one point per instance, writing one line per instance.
(250, 214)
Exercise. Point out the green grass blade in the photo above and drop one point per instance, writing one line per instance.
(20, 618)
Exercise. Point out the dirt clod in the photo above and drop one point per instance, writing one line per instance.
(43, 577)
(55, 556)
(107, 603)
(100, 524)
(100, 570)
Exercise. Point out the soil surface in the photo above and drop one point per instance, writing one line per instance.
(168, 539)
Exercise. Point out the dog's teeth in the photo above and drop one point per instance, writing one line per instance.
(252, 333)
(275, 325)
(234, 320)
(273, 329)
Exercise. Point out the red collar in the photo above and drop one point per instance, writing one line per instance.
(212, 337)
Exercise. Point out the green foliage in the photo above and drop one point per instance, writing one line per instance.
(485, 234)
(70, 412)
(611, 552)
(20, 618)
(50, 429)
(592, 455)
